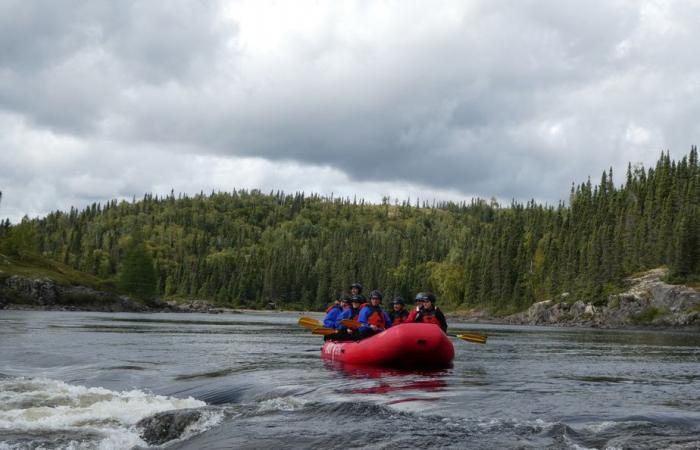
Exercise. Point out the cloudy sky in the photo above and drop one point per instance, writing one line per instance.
(446, 100)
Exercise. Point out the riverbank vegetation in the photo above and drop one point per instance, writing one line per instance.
(251, 249)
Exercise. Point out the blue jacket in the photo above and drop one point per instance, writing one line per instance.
(366, 312)
(332, 317)
(345, 314)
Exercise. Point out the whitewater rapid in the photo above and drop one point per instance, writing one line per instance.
(50, 413)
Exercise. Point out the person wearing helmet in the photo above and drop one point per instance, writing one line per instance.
(333, 312)
(351, 310)
(351, 313)
(398, 314)
(355, 289)
(414, 311)
(335, 304)
(341, 333)
(372, 317)
(429, 313)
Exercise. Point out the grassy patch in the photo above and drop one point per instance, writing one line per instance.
(692, 280)
(648, 315)
(34, 266)
(614, 303)
(503, 311)
(566, 317)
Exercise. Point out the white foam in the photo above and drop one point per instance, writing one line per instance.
(42, 406)
(600, 427)
(282, 404)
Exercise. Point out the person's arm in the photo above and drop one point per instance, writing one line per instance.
(441, 318)
(363, 318)
(345, 314)
(412, 315)
(387, 320)
(331, 318)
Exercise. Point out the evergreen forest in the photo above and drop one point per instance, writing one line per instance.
(252, 249)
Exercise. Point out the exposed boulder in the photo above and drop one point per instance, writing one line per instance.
(166, 426)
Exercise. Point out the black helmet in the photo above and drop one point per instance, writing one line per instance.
(357, 299)
(344, 299)
(419, 297)
(428, 296)
(356, 285)
(399, 301)
(376, 293)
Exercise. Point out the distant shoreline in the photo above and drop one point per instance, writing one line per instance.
(648, 303)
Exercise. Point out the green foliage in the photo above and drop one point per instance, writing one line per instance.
(18, 240)
(35, 266)
(247, 249)
(614, 303)
(137, 276)
(648, 315)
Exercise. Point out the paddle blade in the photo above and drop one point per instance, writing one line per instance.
(323, 331)
(310, 323)
(476, 338)
(352, 324)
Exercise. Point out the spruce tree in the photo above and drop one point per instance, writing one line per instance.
(137, 275)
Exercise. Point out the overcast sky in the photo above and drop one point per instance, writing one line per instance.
(445, 100)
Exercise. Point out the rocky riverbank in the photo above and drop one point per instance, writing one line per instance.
(648, 301)
(45, 294)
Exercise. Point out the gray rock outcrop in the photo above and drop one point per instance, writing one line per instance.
(45, 294)
(647, 301)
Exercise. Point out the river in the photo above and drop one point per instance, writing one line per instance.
(80, 380)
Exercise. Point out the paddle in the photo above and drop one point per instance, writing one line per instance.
(476, 338)
(350, 323)
(323, 331)
(310, 323)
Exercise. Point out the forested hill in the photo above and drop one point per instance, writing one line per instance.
(249, 248)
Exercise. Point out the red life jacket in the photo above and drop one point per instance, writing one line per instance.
(398, 317)
(426, 316)
(355, 313)
(376, 318)
(334, 305)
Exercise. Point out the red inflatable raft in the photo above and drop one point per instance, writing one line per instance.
(409, 345)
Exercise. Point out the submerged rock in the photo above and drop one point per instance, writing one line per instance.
(166, 426)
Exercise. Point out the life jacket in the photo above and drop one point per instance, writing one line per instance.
(377, 317)
(426, 316)
(355, 313)
(398, 317)
(334, 305)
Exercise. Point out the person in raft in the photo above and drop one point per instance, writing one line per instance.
(351, 310)
(372, 317)
(334, 311)
(355, 289)
(419, 305)
(399, 313)
(429, 313)
(335, 305)
(341, 332)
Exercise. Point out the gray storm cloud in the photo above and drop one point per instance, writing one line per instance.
(513, 100)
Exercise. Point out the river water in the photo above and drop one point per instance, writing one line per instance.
(256, 380)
